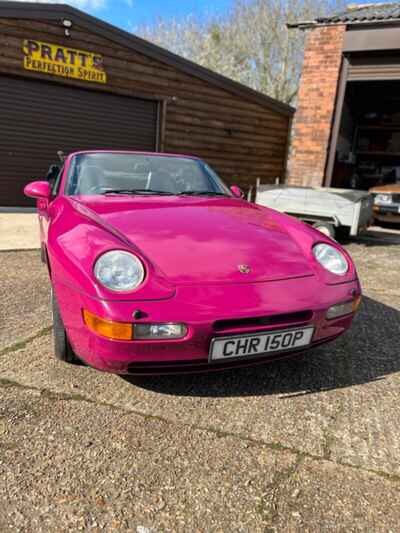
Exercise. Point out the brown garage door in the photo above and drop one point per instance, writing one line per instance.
(37, 119)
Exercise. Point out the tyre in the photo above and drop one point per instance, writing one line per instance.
(343, 233)
(62, 348)
(327, 229)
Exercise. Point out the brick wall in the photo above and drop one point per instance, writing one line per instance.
(316, 104)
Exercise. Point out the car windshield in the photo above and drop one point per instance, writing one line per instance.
(130, 174)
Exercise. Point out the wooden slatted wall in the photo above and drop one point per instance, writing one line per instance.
(240, 138)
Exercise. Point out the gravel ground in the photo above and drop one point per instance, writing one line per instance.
(302, 445)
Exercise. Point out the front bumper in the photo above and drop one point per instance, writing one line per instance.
(388, 213)
(286, 304)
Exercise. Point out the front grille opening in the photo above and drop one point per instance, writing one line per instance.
(260, 321)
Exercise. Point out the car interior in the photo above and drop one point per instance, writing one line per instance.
(123, 173)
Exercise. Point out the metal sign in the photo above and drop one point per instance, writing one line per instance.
(63, 61)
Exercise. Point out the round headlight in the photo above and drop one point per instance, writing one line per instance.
(331, 259)
(119, 271)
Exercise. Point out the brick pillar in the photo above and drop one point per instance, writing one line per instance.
(316, 104)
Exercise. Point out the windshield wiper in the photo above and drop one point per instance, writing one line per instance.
(202, 193)
(165, 193)
(137, 191)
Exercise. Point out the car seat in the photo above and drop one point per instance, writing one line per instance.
(162, 181)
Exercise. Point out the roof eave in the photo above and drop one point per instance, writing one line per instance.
(305, 25)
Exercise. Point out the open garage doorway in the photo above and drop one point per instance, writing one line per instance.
(368, 144)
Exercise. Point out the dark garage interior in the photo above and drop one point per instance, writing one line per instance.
(346, 131)
(368, 147)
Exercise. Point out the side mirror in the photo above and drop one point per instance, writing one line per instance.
(237, 191)
(38, 189)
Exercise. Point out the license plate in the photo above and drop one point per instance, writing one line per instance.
(226, 348)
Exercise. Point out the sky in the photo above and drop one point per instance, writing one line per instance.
(129, 14)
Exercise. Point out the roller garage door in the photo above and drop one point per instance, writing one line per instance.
(374, 68)
(38, 118)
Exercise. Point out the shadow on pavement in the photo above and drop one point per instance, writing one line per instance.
(377, 238)
(368, 352)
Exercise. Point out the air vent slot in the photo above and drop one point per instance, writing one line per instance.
(260, 321)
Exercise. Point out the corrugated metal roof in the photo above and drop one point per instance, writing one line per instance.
(365, 13)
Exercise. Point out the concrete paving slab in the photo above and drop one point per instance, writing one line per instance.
(71, 465)
(340, 402)
(301, 445)
(19, 231)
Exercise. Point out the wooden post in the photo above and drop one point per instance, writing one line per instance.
(336, 123)
(162, 118)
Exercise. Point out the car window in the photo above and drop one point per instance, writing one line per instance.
(56, 182)
(102, 173)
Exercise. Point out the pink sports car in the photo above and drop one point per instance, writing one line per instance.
(158, 267)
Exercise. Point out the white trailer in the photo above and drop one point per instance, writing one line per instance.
(327, 209)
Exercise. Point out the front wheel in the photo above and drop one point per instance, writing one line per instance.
(62, 348)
